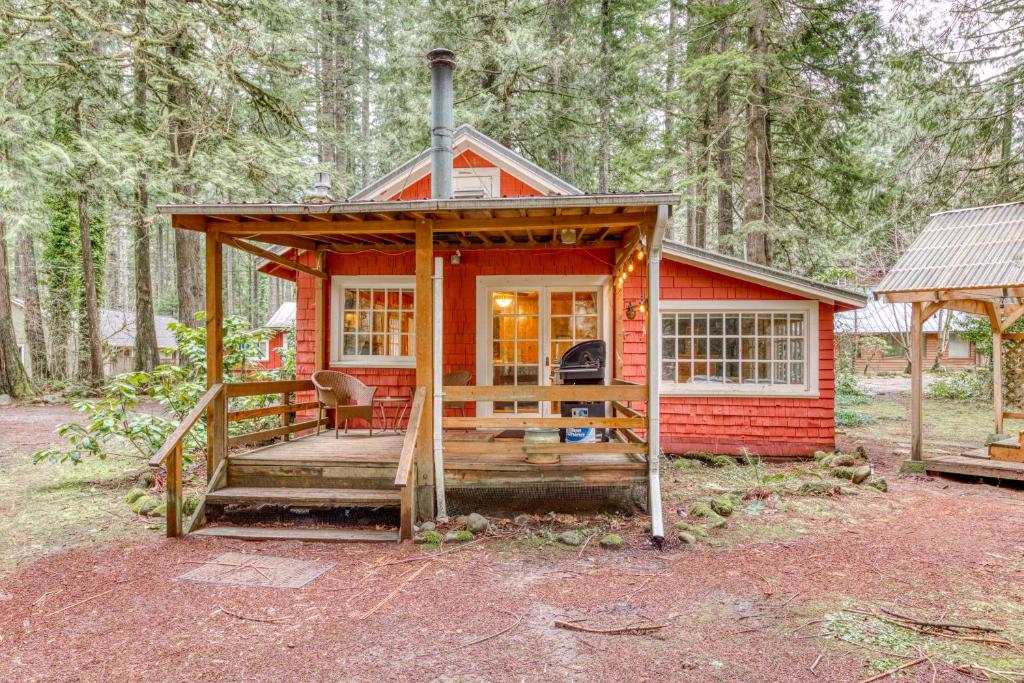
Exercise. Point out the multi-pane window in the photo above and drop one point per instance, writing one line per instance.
(378, 322)
(734, 348)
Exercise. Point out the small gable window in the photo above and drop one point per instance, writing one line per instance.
(476, 183)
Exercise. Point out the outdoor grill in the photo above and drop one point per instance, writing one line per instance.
(582, 364)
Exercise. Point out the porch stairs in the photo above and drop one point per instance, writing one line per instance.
(262, 480)
(1009, 450)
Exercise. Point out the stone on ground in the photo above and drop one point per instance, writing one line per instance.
(133, 495)
(427, 526)
(687, 538)
(723, 505)
(477, 523)
(880, 484)
(842, 460)
(817, 488)
(572, 537)
(612, 541)
(459, 536)
(522, 520)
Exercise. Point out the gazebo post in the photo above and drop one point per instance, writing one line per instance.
(997, 377)
(916, 385)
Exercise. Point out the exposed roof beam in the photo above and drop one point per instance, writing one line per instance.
(271, 256)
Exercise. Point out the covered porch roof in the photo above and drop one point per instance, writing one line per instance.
(596, 220)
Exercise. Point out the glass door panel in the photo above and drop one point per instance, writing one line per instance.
(515, 327)
(574, 318)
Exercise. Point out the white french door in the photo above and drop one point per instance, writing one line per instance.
(525, 324)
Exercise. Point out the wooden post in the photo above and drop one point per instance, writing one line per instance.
(216, 432)
(173, 485)
(916, 386)
(286, 418)
(997, 378)
(320, 311)
(424, 469)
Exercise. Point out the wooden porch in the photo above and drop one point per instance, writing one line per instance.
(294, 467)
(411, 472)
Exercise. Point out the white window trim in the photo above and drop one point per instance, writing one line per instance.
(339, 283)
(808, 307)
(490, 172)
(487, 283)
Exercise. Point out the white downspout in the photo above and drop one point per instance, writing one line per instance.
(654, 374)
(438, 408)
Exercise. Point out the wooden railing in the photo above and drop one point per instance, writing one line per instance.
(622, 423)
(170, 454)
(405, 477)
(214, 404)
(287, 408)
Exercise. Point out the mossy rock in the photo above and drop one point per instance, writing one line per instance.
(694, 529)
(818, 488)
(726, 461)
(430, 537)
(912, 467)
(477, 523)
(860, 453)
(687, 538)
(145, 505)
(459, 536)
(842, 460)
(723, 505)
(879, 484)
(682, 463)
(572, 537)
(820, 455)
(612, 541)
(189, 505)
(857, 475)
(133, 495)
(159, 511)
(703, 509)
(146, 479)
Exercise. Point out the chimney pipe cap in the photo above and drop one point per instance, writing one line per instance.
(441, 56)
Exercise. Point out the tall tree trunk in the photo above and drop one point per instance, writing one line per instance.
(698, 46)
(28, 289)
(93, 362)
(187, 243)
(147, 353)
(334, 64)
(723, 144)
(604, 152)
(669, 144)
(757, 169)
(364, 108)
(13, 378)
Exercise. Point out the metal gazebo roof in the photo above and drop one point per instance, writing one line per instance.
(978, 248)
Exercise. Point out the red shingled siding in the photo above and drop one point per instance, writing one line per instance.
(274, 362)
(765, 426)
(459, 296)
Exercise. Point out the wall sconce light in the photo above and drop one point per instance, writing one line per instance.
(503, 300)
(632, 309)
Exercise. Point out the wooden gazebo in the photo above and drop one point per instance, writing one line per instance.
(969, 260)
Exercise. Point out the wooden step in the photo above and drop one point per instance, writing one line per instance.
(298, 534)
(1008, 450)
(304, 497)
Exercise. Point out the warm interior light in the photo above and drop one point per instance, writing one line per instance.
(640, 254)
(503, 300)
(643, 307)
(630, 267)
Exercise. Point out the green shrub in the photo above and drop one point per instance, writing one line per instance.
(962, 385)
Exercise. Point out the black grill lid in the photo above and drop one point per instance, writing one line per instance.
(585, 355)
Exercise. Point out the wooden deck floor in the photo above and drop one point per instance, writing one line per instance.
(975, 463)
(379, 453)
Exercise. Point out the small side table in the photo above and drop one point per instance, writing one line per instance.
(400, 405)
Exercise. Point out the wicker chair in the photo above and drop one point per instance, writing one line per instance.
(346, 395)
(458, 378)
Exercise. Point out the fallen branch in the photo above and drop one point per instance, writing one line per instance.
(817, 659)
(429, 556)
(80, 602)
(890, 672)
(634, 629)
(493, 635)
(939, 624)
(265, 620)
(395, 592)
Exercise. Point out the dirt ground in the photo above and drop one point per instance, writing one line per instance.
(761, 599)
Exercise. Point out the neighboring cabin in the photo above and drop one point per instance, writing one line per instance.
(747, 351)
(117, 332)
(890, 323)
(282, 322)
